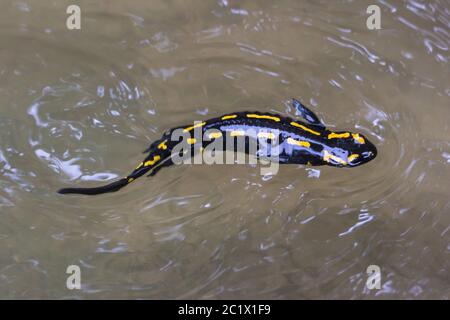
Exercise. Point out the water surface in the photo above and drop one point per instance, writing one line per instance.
(79, 106)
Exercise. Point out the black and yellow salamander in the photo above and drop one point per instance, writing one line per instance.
(309, 143)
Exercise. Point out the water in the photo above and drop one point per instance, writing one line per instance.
(78, 107)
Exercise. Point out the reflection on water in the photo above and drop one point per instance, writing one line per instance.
(78, 107)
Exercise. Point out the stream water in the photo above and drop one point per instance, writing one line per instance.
(77, 108)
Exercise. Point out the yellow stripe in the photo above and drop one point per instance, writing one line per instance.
(194, 126)
(267, 135)
(229, 117)
(327, 156)
(298, 143)
(152, 162)
(140, 165)
(163, 145)
(338, 135)
(191, 140)
(263, 117)
(130, 180)
(358, 138)
(352, 157)
(236, 133)
(215, 135)
(295, 124)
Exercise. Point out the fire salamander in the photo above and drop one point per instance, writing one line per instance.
(309, 143)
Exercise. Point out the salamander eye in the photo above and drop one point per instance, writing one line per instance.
(358, 138)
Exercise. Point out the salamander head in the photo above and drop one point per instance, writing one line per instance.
(340, 149)
(346, 149)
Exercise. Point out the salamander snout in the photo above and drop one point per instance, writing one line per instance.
(350, 151)
(361, 150)
(366, 152)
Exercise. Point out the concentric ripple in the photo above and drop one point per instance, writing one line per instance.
(78, 107)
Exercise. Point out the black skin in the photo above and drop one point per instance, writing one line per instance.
(319, 146)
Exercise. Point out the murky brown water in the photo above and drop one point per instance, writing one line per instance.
(78, 107)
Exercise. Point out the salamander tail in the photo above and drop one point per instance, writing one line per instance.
(150, 163)
(97, 190)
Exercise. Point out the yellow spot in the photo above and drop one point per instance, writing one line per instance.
(258, 116)
(130, 180)
(152, 162)
(236, 133)
(295, 124)
(358, 138)
(229, 117)
(267, 135)
(309, 163)
(194, 126)
(338, 135)
(163, 145)
(215, 135)
(191, 140)
(140, 165)
(328, 156)
(352, 157)
(305, 144)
